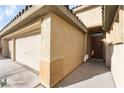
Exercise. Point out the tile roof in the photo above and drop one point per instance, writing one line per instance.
(71, 10)
(76, 6)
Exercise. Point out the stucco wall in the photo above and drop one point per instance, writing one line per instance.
(5, 48)
(115, 59)
(115, 49)
(108, 50)
(67, 48)
(10, 48)
(117, 65)
(91, 17)
(45, 48)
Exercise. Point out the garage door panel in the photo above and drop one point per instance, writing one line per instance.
(28, 51)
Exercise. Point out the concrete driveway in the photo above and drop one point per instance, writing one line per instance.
(17, 76)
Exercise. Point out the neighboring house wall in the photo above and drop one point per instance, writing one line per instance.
(115, 48)
(90, 16)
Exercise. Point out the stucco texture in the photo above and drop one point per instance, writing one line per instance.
(115, 49)
(67, 48)
(91, 17)
(117, 65)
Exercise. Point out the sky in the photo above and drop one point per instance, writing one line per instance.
(8, 12)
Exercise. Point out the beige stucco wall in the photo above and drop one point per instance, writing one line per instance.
(65, 49)
(10, 48)
(115, 59)
(45, 48)
(5, 48)
(115, 50)
(108, 49)
(91, 17)
(117, 65)
(68, 48)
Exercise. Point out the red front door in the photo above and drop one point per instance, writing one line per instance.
(97, 47)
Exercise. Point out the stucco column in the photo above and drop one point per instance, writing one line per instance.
(13, 49)
(121, 22)
(5, 51)
(107, 58)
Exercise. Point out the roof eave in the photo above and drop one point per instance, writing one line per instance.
(41, 10)
(108, 15)
(83, 8)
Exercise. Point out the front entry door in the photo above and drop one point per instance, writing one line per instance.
(97, 47)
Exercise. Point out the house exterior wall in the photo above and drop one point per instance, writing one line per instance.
(60, 47)
(91, 17)
(108, 50)
(65, 49)
(5, 48)
(68, 48)
(115, 48)
(45, 48)
(23, 46)
(117, 65)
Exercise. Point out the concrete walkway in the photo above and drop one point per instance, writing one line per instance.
(16, 75)
(93, 74)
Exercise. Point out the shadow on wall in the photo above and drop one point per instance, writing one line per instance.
(84, 72)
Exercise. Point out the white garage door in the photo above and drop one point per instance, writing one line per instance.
(28, 51)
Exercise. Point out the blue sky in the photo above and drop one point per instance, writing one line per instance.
(7, 12)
